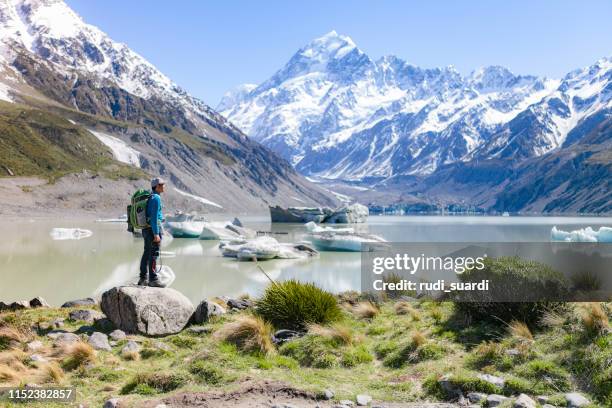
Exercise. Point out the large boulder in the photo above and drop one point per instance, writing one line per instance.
(147, 310)
(352, 214)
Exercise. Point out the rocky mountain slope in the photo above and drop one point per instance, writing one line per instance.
(113, 102)
(338, 115)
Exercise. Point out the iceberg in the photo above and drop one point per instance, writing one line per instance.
(226, 231)
(62, 234)
(588, 234)
(343, 242)
(263, 248)
(183, 225)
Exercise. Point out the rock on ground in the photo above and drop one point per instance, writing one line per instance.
(498, 381)
(80, 302)
(86, 315)
(63, 338)
(524, 401)
(146, 310)
(363, 400)
(131, 347)
(205, 310)
(99, 341)
(117, 335)
(495, 400)
(575, 400)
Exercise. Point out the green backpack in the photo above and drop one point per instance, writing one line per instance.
(137, 211)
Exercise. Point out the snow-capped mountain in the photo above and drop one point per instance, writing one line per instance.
(51, 59)
(337, 114)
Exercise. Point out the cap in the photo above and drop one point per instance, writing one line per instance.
(157, 181)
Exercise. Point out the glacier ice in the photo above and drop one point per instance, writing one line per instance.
(63, 234)
(588, 234)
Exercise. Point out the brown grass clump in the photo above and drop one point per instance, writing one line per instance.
(552, 319)
(404, 308)
(130, 355)
(51, 373)
(338, 333)
(9, 376)
(594, 318)
(520, 331)
(249, 333)
(418, 339)
(10, 337)
(366, 310)
(77, 355)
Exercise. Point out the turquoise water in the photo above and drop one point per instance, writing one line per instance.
(32, 264)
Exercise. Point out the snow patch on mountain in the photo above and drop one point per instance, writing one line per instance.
(121, 151)
(197, 198)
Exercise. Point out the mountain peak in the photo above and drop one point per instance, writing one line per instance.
(329, 46)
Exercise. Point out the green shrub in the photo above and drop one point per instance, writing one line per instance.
(355, 356)
(158, 382)
(206, 372)
(183, 341)
(546, 372)
(324, 352)
(489, 353)
(512, 278)
(293, 305)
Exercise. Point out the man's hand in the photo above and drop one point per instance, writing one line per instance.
(156, 239)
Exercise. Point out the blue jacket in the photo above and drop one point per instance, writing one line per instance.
(154, 212)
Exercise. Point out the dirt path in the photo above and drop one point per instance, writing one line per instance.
(265, 395)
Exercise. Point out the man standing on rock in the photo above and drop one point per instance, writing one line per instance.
(152, 236)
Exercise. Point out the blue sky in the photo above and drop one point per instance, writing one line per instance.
(208, 47)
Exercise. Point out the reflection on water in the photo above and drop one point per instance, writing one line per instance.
(32, 264)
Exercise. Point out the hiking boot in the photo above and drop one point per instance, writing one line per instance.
(155, 283)
(142, 282)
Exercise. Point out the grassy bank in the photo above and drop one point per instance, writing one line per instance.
(391, 350)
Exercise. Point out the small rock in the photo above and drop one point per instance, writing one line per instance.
(284, 335)
(86, 315)
(130, 347)
(476, 397)
(239, 304)
(205, 310)
(575, 400)
(37, 358)
(161, 406)
(498, 381)
(34, 345)
(200, 329)
(524, 401)
(111, 403)
(548, 406)
(347, 403)
(494, 400)
(237, 222)
(542, 399)
(448, 387)
(513, 352)
(363, 400)
(161, 346)
(328, 394)
(117, 335)
(38, 302)
(57, 323)
(104, 324)
(80, 302)
(63, 338)
(112, 343)
(19, 305)
(99, 341)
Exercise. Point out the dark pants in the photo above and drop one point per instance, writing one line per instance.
(148, 262)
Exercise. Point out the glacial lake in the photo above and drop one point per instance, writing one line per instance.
(33, 264)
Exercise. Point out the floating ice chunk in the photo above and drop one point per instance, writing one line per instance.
(312, 227)
(604, 234)
(262, 248)
(62, 234)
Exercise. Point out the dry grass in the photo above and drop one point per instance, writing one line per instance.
(10, 337)
(14, 359)
(594, 318)
(405, 308)
(436, 314)
(51, 373)
(365, 310)
(418, 338)
(130, 355)
(520, 331)
(338, 333)
(9, 376)
(77, 355)
(249, 333)
(552, 319)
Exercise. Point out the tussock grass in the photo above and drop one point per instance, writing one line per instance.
(9, 375)
(151, 383)
(130, 355)
(520, 331)
(594, 318)
(14, 359)
(249, 333)
(294, 305)
(366, 310)
(552, 319)
(51, 373)
(77, 355)
(405, 308)
(206, 372)
(338, 333)
(10, 337)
